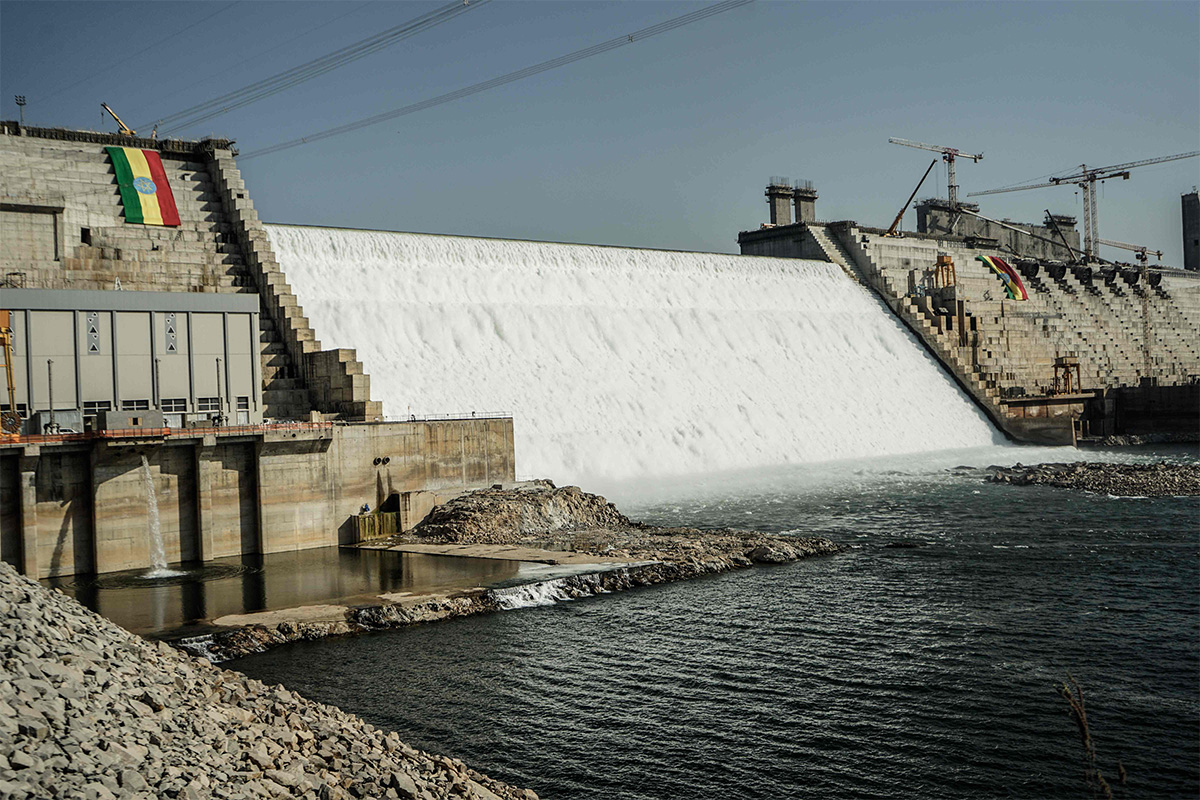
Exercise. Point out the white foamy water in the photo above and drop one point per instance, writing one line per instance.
(158, 556)
(620, 363)
(545, 593)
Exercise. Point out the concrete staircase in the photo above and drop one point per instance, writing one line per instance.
(833, 250)
(298, 376)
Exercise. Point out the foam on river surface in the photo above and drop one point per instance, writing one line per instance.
(619, 363)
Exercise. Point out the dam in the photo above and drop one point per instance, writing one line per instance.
(620, 363)
(294, 387)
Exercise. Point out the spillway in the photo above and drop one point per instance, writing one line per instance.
(620, 363)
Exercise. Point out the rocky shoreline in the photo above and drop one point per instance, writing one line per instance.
(1163, 479)
(539, 515)
(89, 710)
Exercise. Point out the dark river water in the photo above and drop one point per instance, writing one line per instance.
(916, 672)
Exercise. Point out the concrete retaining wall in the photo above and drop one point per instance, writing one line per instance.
(78, 507)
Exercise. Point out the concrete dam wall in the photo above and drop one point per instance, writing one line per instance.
(619, 363)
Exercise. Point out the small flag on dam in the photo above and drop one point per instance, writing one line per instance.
(142, 181)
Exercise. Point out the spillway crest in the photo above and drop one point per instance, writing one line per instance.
(619, 363)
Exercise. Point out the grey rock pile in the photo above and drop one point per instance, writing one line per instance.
(1163, 479)
(566, 518)
(509, 516)
(88, 710)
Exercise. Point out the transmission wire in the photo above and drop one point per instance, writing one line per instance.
(527, 72)
(260, 53)
(266, 87)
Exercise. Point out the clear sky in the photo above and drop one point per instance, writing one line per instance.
(666, 142)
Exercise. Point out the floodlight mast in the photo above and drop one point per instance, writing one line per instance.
(948, 155)
(1086, 179)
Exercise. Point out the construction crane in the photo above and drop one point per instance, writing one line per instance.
(948, 155)
(1086, 179)
(1141, 252)
(896, 222)
(10, 420)
(125, 129)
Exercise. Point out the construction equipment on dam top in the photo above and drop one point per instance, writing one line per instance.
(896, 222)
(948, 155)
(125, 129)
(1086, 179)
(1140, 252)
(10, 419)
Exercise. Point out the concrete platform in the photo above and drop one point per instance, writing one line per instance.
(505, 553)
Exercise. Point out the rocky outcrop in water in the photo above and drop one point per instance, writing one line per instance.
(541, 514)
(509, 516)
(88, 710)
(1163, 479)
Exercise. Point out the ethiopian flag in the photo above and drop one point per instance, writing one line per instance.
(1012, 281)
(144, 189)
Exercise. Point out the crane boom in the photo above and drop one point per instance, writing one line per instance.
(936, 148)
(1086, 173)
(1141, 250)
(1013, 189)
(125, 129)
(948, 155)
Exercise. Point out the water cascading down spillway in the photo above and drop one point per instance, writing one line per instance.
(158, 555)
(620, 363)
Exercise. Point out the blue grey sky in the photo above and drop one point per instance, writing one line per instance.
(667, 142)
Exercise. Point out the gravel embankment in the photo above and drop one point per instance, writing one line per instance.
(88, 710)
(1163, 479)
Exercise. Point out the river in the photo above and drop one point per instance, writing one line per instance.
(894, 672)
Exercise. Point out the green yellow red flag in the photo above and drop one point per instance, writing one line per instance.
(142, 181)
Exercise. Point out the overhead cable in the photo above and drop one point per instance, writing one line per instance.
(570, 58)
(260, 53)
(319, 66)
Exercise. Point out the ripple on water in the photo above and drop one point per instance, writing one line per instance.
(893, 673)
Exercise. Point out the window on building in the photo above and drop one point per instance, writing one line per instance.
(85, 235)
(174, 405)
(208, 404)
(92, 408)
(243, 403)
(20, 409)
(135, 405)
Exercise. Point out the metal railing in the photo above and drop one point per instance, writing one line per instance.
(165, 433)
(451, 417)
(236, 430)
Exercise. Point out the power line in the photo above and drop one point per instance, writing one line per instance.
(261, 53)
(266, 87)
(570, 58)
(147, 49)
